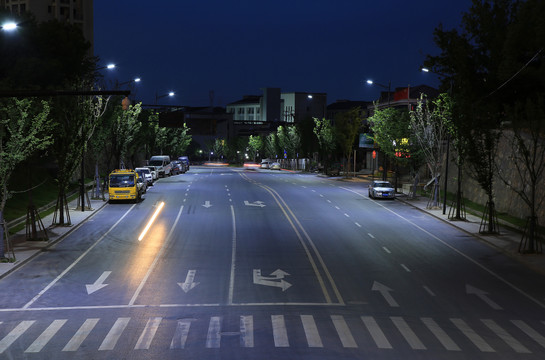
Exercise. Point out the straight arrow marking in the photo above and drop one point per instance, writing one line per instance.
(189, 283)
(207, 204)
(255, 203)
(99, 284)
(481, 294)
(385, 291)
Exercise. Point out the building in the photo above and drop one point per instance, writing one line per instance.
(262, 114)
(77, 12)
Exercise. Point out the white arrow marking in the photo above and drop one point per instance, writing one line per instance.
(255, 203)
(482, 295)
(385, 291)
(99, 283)
(207, 204)
(272, 280)
(189, 284)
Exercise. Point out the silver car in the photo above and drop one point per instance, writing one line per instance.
(145, 173)
(381, 189)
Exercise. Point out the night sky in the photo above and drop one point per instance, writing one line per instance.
(236, 48)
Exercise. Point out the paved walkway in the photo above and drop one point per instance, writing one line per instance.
(25, 250)
(507, 241)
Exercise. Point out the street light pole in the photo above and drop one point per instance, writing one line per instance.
(371, 82)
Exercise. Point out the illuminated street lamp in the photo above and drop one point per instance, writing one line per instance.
(169, 94)
(371, 82)
(135, 80)
(9, 26)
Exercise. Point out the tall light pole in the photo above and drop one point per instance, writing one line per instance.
(371, 82)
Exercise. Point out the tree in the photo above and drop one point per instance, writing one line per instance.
(271, 146)
(347, 126)
(472, 60)
(289, 140)
(124, 129)
(24, 129)
(255, 146)
(430, 126)
(326, 139)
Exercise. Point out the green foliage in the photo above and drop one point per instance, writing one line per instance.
(24, 129)
(325, 134)
(288, 140)
(255, 146)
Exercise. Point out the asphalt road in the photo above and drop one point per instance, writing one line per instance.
(242, 264)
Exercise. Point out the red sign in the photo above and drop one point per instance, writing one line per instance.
(374, 154)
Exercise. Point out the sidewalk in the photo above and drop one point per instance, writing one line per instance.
(507, 241)
(26, 250)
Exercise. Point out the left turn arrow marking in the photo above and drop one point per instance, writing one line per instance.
(99, 284)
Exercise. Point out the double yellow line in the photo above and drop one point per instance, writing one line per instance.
(306, 243)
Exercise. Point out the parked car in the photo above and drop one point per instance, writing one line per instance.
(274, 166)
(177, 168)
(334, 169)
(145, 173)
(185, 162)
(153, 171)
(162, 163)
(381, 189)
(265, 164)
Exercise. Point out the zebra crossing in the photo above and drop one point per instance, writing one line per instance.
(282, 331)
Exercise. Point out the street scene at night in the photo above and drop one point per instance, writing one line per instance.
(282, 217)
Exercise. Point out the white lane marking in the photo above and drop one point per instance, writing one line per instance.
(45, 336)
(321, 195)
(329, 201)
(180, 335)
(477, 340)
(247, 331)
(280, 333)
(115, 332)
(345, 214)
(213, 337)
(405, 268)
(157, 257)
(145, 339)
(440, 334)
(233, 257)
(338, 208)
(537, 337)
(14, 334)
(52, 283)
(408, 333)
(376, 332)
(505, 336)
(357, 224)
(343, 331)
(386, 249)
(370, 235)
(429, 290)
(311, 331)
(467, 257)
(82, 333)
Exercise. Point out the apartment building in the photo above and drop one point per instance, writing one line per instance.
(77, 12)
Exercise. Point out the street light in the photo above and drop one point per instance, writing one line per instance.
(371, 82)
(135, 80)
(9, 26)
(169, 94)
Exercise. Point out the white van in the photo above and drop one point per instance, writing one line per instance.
(162, 164)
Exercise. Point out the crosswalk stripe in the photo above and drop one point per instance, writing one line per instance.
(180, 335)
(440, 334)
(311, 331)
(14, 334)
(148, 334)
(44, 337)
(376, 333)
(407, 333)
(472, 335)
(247, 331)
(81, 335)
(213, 338)
(505, 336)
(343, 331)
(113, 335)
(280, 333)
(530, 332)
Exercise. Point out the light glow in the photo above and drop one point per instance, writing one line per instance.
(9, 26)
(370, 82)
(425, 70)
(150, 222)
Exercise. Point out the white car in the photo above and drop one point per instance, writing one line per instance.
(381, 189)
(153, 171)
(145, 173)
(274, 166)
